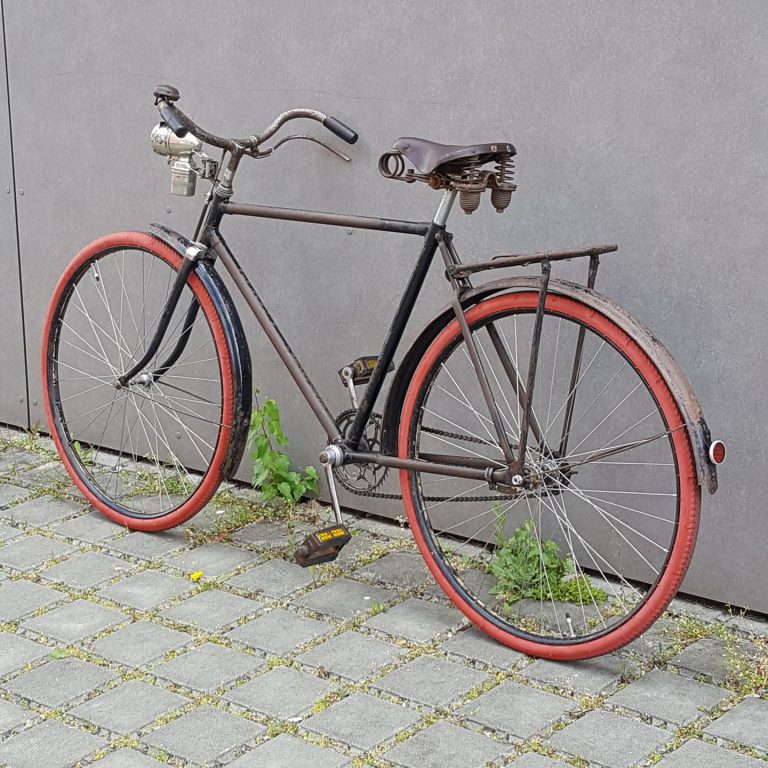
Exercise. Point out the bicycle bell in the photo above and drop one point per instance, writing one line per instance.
(179, 152)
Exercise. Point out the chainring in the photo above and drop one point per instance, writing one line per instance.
(361, 478)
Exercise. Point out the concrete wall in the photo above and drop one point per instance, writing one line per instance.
(641, 123)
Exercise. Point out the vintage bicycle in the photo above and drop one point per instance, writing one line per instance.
(550, 452)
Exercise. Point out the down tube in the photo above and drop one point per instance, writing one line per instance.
(277, 339)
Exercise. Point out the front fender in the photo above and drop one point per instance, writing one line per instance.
(238, 345)
(674, 377)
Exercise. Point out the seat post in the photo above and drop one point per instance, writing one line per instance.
(444, 209)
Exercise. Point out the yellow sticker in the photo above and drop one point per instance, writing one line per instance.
(328, 535)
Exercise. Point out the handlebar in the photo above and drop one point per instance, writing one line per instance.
(180, 123)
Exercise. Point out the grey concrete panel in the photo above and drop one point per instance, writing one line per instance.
(641, 125)
(13, 377)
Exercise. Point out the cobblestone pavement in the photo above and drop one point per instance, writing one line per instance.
(205, 645)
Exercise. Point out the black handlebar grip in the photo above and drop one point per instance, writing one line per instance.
(168, 113)
(342, 131)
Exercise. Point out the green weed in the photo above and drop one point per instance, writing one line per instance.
(272, 471)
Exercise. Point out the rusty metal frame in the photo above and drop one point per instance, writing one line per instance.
(219, 204)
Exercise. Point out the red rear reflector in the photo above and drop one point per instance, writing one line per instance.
(717, 452)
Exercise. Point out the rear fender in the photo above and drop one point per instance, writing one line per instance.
(670, 370)
(233, 329)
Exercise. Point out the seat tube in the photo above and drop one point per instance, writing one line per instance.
(444, 209)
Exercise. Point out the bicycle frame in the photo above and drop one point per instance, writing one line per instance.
(435, 237)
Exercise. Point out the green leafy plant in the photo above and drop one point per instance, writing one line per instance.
(529, 567)
(272, 471)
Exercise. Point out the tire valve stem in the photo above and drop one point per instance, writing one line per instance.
(569, 623)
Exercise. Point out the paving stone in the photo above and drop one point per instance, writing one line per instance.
(344, 598)
(358, 546)
(75, 621)
(47, 474)
(60, 681)
(213, 559)
(286, 751)
(279, 632)
(361, 721)
(17, 651)
(445, 745)
(745, 724)
(516, 709)
(266, 535)
(709, 657)
(147, 589)
(12, 715)
(695, 754)
(92, 527)
(383, 528)
(140, 643)
(399, 569)
(128, 758)
(430, 681)
(710, 614)
(211, 609)
(749, 624)
(282, 692)
(50, 744)
(20, 598)
(208, 667)
(204, 735)
(43, 511)
(148, 546)
(129, 707)
(610, 740)
(8, 532)
(275, 578)
(655, 641)
(669, 697)
(11, 494)
(417, 620)
(533, 760)
(591, 676)
(86, 570)
(32, 551)
(352, 655)
(15, 461)
(474, 645)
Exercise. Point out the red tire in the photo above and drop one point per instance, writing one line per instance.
(655, 518)
(101, 317)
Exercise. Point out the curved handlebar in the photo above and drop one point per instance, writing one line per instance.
(180, 124)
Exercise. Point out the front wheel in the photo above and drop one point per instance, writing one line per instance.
(148, 454)
(588, 552)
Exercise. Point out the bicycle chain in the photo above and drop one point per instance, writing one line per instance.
(441, 433)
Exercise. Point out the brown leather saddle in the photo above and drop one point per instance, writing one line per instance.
(428, 156)
(454, 167)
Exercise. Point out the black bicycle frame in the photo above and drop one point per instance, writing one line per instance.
(435, 237)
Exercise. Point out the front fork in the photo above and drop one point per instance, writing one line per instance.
(187, 264)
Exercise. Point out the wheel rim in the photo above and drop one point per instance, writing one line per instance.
(144, 450)
(613, 571)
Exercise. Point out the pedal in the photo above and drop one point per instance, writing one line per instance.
(361, 370)
(322, 546)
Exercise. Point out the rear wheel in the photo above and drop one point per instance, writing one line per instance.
(149, 454)
(588, 553)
